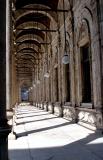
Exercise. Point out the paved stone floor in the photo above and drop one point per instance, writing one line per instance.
(43, 136)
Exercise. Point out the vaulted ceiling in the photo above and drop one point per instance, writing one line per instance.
(32, 30)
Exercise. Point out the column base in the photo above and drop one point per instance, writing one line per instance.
(5, 129)
(46, 106)
(50, 108)
(69, 112)
(99, 117)
(12, 136)
(58, 110)
(42, 106)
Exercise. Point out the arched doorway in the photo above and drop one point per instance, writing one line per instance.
(24, 94)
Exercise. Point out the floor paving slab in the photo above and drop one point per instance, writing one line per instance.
(44, 136)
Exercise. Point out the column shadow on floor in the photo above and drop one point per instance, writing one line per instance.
(32, 115)
(42, 129)
(88, 148)
(28, 112)
(44, 119)
(78, 150)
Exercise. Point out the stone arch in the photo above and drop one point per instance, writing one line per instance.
(21, 46)
(84, 34)
(33, 37)
(31, 25)
(88, 15)
(51, 16)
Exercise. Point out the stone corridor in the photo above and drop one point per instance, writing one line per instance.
(44, 136)
(51, 75)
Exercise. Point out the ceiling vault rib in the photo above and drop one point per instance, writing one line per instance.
(46, 10)
(39, 43)
(43, 30)
(34, 25)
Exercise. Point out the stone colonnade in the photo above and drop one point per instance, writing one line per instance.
(4, 127)
(82, 31)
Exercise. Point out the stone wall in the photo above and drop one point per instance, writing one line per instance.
(82, 27)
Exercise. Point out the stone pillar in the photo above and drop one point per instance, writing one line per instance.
(100, 10)
(100, 110)
(4, 128)
(52, 100)
(13, 82)
(33, 86)
(17, 90)
(8, 55)
(19, 93)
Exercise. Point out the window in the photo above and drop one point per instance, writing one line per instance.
(56, 84)
(86, 74)
(67, 83)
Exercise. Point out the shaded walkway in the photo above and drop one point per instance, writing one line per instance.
(43, 136)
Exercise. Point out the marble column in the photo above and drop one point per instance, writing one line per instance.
(4, 128)
(8, 55)
(100, 10)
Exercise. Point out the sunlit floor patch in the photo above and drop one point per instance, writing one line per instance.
(43, 136)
